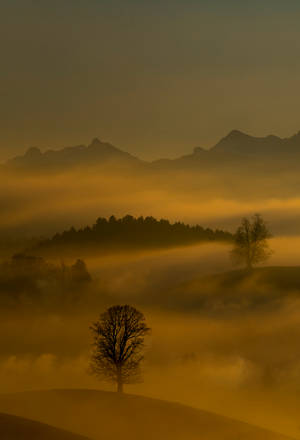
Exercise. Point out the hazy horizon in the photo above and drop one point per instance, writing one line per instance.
(154, 78)
(142, 157)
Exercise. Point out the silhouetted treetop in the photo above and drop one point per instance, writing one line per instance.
(34, 278)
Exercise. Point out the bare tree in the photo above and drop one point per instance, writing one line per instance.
(251, 242)
(118, 345)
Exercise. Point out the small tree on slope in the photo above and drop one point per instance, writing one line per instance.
(251, 242)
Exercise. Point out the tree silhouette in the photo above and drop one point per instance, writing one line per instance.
(130, 232)
(79, 272)
(118, 345)
(250, 242)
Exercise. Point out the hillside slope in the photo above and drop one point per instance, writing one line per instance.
(105, 415)
(240, 290)
(17, 428)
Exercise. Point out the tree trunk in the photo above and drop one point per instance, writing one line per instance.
(120, 386)
(249, 261)
(119, 380)
(249, 266)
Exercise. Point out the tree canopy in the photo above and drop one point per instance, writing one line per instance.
(118, 345)
(251, 242)
(131, 232)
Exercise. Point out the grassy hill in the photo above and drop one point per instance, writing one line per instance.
(237, 291)
(105, 415)
(279, 277)
(17, 428)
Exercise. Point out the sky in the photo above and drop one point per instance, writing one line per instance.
(155, 78)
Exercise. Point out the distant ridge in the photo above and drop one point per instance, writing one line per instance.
(96, 151)
(242, 143)
(233, 147)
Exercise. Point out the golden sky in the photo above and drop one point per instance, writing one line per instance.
(156, 78)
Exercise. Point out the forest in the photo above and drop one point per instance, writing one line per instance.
(131, 232)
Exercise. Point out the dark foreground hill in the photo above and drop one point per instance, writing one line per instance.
(17, 428)
(105, 415)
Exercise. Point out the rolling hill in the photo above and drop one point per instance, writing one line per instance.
(237, 291)
(17, 428)
(106, 415)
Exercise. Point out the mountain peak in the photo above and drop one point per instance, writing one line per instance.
(238, 142)
(33, 152)
(97, 152)
(236, 134)
(296, 136)
(198, 150)
(95, 141)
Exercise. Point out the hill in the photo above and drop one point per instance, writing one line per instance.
(130, 233)
(105, 415)
(17, 428)
(238, 291)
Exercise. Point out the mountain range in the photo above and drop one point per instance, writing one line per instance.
(95, 152)
(81, 183)
(236, 147)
